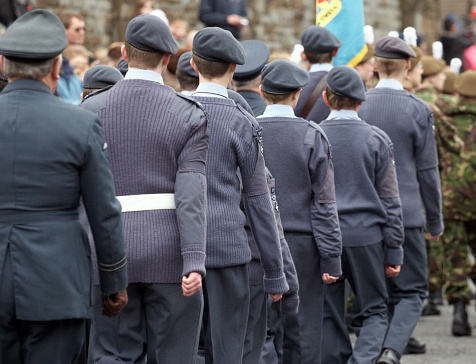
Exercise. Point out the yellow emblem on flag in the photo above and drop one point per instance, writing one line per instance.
(326, 11)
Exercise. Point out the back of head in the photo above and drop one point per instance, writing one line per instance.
(345, 88)
(148, 39)
(319, 44)
(257, 55)
(188, 78)
(281, 78)
(391, 54)
(214, 49)
(32, 44)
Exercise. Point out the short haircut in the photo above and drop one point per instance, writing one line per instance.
(87, 91)
(319, 57)
(210, 69)
(67, 16)
(337, 102)
(187, 83)
(390, 67)
(246, 85)
(275, 99)
(3, 84)
(35, 70)
(141, 59)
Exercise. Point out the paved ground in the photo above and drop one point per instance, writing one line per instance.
(441, 346)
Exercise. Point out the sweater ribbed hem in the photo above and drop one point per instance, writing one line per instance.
(276, 285)
(290, 305)
(435, 227)
(361, 236)
(331, 266)
(193, 262)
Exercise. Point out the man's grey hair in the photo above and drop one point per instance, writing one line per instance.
(35, 70)
(247, 85)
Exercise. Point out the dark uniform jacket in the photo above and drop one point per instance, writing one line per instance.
(51, 154)
(214, 13)
(320, 111)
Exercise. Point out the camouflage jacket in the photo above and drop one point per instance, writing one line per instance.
(458, 174)
(446, 101)
(445, 131)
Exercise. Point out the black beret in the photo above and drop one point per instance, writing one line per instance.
(218, 45)
(316, 39)
(36, 35)
(150, 34)
(257, 55)
(101, 76)
(394, 48)
(184, 65)
(123, 66)
(345, 81)
(282, 77)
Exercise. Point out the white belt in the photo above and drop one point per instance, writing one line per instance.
(156, 201)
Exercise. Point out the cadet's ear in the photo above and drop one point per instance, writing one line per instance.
(124, 53)
(57, 68)
(1, 64)
(334, 52)
(303, 56)
(408, 65)
(194, 66)
(233, 67)
(324, 97)
(166, 59)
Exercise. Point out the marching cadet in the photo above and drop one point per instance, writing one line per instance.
(158, 142)
(98, 80)
(298, 155)
(408, 121)
(320, 47)
(235, 142)
(447, 141)
(52, 154)
(247, 77)
(370, 217)
(459, 191)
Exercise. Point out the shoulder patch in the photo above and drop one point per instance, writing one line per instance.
(188, 109)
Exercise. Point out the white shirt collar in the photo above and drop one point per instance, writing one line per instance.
(318, 67)
(208, 89)
(148, 75)
(343, 115)
(278, 110)
(187, 92)
(390, 83)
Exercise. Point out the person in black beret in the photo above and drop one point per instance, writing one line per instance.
(320, 47)
(247, 77)
(408, 121)
(98, 80)
(235, 143)
(297, 153)
(158, 142)
(366, 190)
(54, 156)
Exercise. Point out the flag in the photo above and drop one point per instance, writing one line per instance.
(345, 19)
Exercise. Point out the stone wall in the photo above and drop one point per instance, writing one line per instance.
(277, 22)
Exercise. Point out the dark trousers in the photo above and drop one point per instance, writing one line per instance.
(225, 317)
(272, 352)
(363, 268)
(35, 342)
(303, 332)
(256, 328)
(159, 323)
(407, 291)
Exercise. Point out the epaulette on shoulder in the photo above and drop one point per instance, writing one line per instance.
(316, 126)
(188, 114)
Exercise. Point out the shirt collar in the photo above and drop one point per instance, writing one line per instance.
(318, 67)
(148, 75)
(390, 83)
(278, 110)
(187, 92)
(343, 115)
(208, 89)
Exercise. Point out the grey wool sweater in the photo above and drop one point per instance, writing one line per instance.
(366, 186)
(298, 155)
(408, 122)
(158, 142)
(235, 143)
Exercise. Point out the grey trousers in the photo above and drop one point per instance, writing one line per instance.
(225, 317)
(35, 342)
(363, 268)
(303, 332)
(407, 291)
(256, 328)
(272, 352)
(158, 325)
